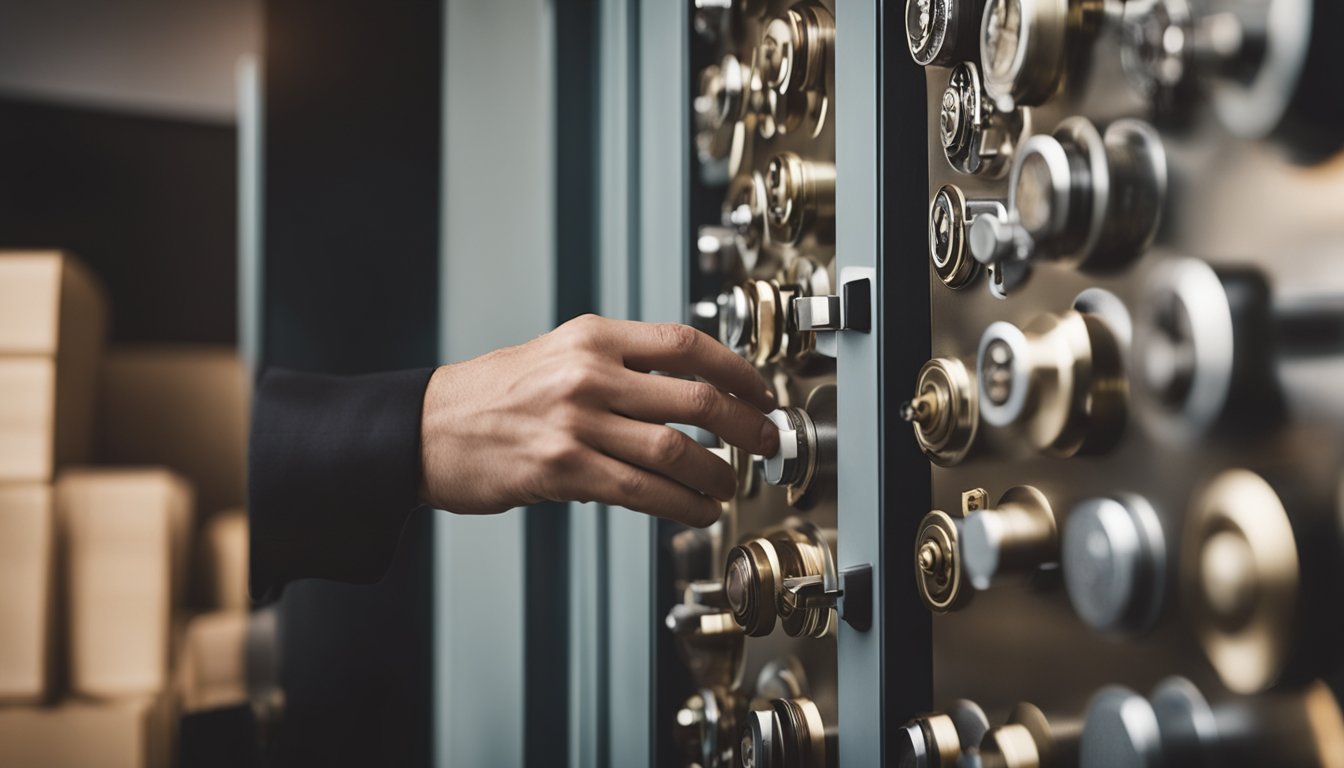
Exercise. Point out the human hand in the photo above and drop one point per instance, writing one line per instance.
(575, 415)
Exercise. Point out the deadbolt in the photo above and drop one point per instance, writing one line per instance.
(805, 463)
(1176, 727)
(786, 576)
(942, 739)
(950, 215)
(942, 32)
(1030, 739)
(790, 734)
(795, 50)
(977, 138)
(800, 197)
(944, 411)
(1077, 197)
(1115, 563)
(757, 318)
(1060, 380)
(981, 545)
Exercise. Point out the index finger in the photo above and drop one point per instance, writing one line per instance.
(676, 348)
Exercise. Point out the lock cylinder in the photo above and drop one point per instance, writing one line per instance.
(942, 32)
(944, 411)
(790, 734)
(1060, 380)
(982, 545)
(786, 576)
(800, 198)
(977, 138)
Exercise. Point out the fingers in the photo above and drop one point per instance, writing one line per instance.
(668, 452)
(682, 349)
(601, 478)
(663, 399)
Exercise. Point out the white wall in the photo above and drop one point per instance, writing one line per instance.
(173, 57)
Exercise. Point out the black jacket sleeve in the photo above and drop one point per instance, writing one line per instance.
(333, 473)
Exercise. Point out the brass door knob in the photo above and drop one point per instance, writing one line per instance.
(1025, 46)
(787, 576)
(1060, 380)
(1261, 573)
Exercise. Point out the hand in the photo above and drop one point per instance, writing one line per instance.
(575, 415)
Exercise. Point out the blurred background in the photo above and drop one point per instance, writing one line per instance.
(193, 191)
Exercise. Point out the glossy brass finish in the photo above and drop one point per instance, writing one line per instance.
(783, 577)
(938, 568)
(1060, 381)
(944, 411)
(1241, 579)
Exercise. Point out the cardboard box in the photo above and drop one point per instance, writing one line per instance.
(127, 534)
(27, 419)
(135, 733)
(214, 661)
(224, 553)
(53, 317)
(27, 553)
(185, 407)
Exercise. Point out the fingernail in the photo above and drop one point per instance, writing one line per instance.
(769, 397)
(769, 439)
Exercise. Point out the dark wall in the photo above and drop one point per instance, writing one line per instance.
(149, 203)
(351, 190)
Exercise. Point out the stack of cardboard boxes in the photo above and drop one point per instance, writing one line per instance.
(100, 564)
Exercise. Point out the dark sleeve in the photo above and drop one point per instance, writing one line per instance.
(333, 473)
